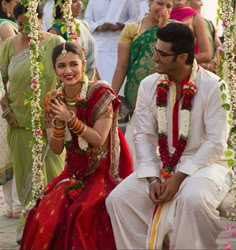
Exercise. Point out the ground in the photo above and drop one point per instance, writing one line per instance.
(226, 240)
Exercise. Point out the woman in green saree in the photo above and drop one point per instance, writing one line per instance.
(8, 28)
(135, 52)
(15, 67)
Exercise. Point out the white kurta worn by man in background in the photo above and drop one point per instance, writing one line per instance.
(190, 198)
(106, 19)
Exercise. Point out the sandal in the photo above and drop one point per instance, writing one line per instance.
(8, 214)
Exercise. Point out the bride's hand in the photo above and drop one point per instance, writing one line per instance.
(60, 110)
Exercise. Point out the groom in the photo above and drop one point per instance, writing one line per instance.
(176, 192)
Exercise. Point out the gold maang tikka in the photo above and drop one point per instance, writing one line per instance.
(64, 51)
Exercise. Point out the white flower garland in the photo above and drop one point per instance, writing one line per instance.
(184, 114)
(36, 110)
(70, 24)
(36, 75)
(228, 75)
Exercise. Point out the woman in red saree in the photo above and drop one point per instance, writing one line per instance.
(82, 117)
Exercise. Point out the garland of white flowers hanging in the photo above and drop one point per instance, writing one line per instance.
(227, 71)
(33, 98)
(70, 25)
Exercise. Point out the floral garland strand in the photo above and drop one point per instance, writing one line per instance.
(36, 110)
(227, 72)
(169, 160)
(70, 25)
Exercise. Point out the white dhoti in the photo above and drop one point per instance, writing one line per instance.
(191, 219)
(129, 134)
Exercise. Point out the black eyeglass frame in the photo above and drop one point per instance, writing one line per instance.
(163, 53)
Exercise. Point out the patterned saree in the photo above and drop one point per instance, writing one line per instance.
(141, 64)
(79, 220)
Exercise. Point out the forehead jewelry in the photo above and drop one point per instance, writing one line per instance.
(64, 51)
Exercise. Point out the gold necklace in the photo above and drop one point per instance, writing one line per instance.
(70, 103)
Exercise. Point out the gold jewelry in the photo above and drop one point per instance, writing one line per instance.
(84, 130)
(70, 103)
(72, 117)
(56, 126)
(64, 51)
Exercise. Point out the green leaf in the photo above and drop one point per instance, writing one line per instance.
(228, 153)
(63, 29)
(31, 143)
(26, 102)
(82, 103)
(233, 130)
(230, 163)
(223, 97)
(58, 22)
(226, 106)
(41, 66)
(28, 97)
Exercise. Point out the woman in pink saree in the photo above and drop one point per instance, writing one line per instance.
(182, 13)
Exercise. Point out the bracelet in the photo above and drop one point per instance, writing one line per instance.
(72, 117)
(6, 112)
(154, 181)
(56, 126)
(84, 130)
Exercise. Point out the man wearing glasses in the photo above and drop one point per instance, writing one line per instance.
(174, 194)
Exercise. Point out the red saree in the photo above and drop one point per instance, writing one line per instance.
(60, 222)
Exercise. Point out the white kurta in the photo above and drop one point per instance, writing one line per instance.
(99, 12)
(203, 160)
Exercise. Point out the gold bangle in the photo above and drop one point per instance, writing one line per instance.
(72, 117)
(84, 130)
(56, 126)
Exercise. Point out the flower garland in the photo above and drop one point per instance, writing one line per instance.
(34, 100)
(34, 97)
(70, 24)
(227, 71)
(169, 161)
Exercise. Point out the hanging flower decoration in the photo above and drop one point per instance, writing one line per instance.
(70, 23)
(169, 160)
(33, 98)
(227, 69)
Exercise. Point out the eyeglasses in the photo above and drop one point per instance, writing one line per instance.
(163, 53)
